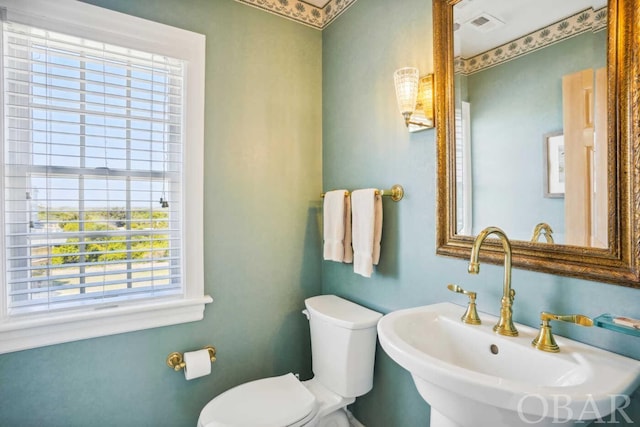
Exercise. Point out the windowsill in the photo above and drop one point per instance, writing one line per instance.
(21, 333)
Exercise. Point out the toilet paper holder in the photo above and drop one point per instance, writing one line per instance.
(175, 360)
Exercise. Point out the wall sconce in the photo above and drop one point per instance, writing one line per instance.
(415, 98)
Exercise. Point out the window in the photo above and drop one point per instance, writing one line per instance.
(100, 236)
(464, 195)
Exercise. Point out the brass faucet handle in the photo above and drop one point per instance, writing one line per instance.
(545, 341)
(459, 290)
(578, 319)
(470, 316)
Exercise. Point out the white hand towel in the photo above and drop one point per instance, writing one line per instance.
(377, 229)
(366, 212)
(334, 225)
(348, 250)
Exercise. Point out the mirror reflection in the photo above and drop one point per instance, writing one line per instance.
(531, 119)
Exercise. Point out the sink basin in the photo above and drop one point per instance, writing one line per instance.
(473, 377)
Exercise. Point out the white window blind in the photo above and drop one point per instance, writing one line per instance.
(92, 171)
(464, 207)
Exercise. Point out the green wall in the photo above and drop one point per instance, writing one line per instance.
(289, 108)
(262, 257)
(365, 144)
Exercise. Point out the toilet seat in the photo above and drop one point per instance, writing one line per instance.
(270, 402)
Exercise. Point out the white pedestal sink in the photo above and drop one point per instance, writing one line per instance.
(473, 377)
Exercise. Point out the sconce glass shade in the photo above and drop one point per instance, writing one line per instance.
(406, 80)
(415, 98)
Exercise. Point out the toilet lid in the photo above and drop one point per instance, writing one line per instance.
(270, 402)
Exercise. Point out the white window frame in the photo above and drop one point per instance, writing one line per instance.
(464, 189)
(83, 20)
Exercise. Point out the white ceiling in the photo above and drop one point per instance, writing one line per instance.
(520, 17)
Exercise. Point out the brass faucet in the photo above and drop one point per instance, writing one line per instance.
(544, 340)
(545, 229)
(505, 325)
(470, 316)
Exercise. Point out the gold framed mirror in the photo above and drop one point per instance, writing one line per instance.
(617, 258)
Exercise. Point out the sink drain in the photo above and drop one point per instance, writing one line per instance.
(494, 349)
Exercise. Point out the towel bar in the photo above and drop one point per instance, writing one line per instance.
(396, 193)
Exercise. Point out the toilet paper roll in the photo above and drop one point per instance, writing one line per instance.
(198, 364)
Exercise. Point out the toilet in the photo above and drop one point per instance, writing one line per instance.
(343, 342)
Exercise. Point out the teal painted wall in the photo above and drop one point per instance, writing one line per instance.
(365, 144)
(262, 258)
(511, 192)
(288, 107)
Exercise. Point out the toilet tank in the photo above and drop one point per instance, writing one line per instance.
(343, 344)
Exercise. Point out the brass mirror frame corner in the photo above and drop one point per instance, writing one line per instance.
(618, 264)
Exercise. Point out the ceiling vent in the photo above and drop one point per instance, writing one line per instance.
(484, 23)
